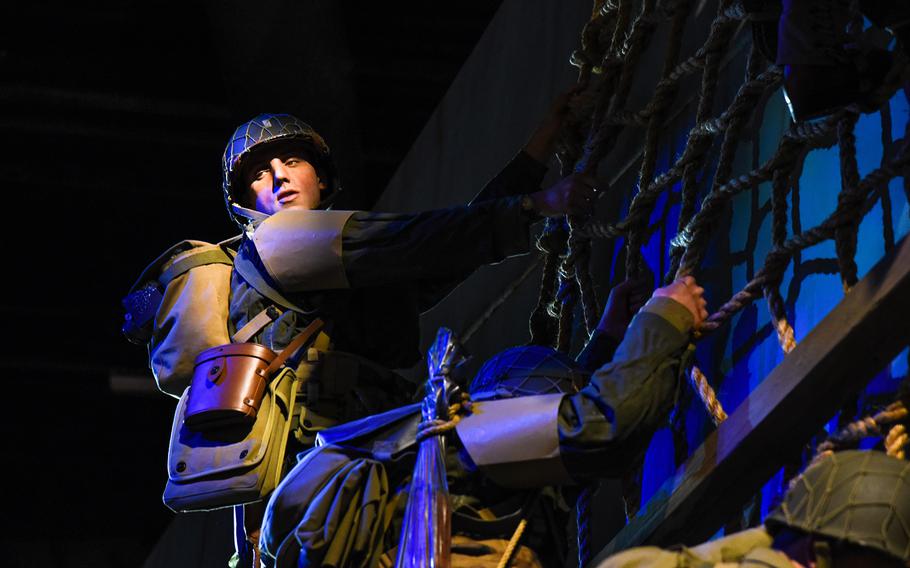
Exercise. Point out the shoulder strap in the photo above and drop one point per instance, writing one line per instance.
(200, 256)
(254, 278)
(302, 338)
(256, 324)
(153, 271)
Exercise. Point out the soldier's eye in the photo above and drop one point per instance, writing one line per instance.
(292, 161)
(259, 174)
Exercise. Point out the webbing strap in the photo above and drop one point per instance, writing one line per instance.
(256, 324)
(192, 259)
(294, 345)
(249, 273)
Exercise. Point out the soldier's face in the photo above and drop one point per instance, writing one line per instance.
(282, 179)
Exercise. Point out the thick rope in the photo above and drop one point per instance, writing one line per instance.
(707, 395)
(652, 136)
(896, 441)
(870, 426)
(779, 257)
(742, 106)
(611, 47)
(507, 554)
(457, 410)
(845, 237)
(551, 242)
(887, 149)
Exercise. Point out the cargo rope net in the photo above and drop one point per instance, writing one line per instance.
(612, 44)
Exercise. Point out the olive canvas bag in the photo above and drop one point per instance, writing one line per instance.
(238, 462)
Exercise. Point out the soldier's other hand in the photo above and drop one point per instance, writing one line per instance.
(688, 293)
(572, 195)
(625, 299)
(543, 142)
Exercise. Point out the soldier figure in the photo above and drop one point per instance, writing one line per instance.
(366, 275)
(850, 509)
(531, 427)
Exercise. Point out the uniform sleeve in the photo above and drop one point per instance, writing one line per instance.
(598, 351)
(608, 422)
(523, 174)
(388, 248)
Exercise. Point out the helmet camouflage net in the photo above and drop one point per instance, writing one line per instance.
(526, 371)
(860, 497)
(267, 129)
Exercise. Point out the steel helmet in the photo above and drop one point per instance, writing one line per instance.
(527, 371)
(269, 128)
(861, 497)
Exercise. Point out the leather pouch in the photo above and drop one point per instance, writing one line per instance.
(239, 463)
(229, 383)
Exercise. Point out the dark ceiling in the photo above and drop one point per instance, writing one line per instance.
(113, 117)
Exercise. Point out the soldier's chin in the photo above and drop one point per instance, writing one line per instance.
(293, 205)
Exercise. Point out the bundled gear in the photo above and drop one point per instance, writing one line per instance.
(267, 129)
(179, 306)
(527, 416)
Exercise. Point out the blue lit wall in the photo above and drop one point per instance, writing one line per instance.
(747, 349)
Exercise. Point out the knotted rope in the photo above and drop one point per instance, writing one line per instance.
(456, 412)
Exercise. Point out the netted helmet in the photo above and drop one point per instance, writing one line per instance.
(860, 497)
(526, 371)
(268, 129)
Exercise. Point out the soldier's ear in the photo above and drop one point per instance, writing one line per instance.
(322, 185)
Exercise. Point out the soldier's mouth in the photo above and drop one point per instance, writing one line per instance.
(286, 195)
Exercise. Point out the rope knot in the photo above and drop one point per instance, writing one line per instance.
(457, 411)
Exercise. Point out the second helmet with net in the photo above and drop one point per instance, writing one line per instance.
(527, 371)
(858, 497)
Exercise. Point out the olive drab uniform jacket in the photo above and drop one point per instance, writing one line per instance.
(367, 275)
(747, 549)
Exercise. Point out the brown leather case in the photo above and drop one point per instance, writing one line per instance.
(228, 385)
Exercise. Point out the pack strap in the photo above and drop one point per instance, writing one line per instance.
(196, 257)
(302, 338)
(256, 324)
(248, 272)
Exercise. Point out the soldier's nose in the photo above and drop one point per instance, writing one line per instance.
(279, 172)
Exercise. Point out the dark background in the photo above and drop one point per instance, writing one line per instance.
(113, 119)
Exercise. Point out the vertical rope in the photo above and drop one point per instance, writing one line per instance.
(654, 130)
(785, 334)
(845, 238)
(551, 243)
(887, 149)
(583, 524)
